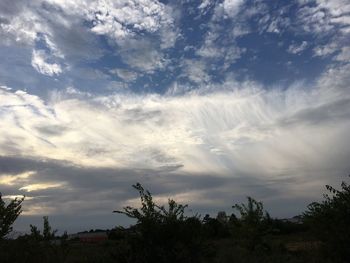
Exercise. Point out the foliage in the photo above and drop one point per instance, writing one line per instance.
(329, 220)
(215, 228)
(167, 234)
(252, 225)
(151, 212)
(222, 217)
(9, 214)
(162, 234)
(47, 234)
(35, 233)
(252, 213)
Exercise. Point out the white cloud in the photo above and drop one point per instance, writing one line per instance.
(339, 52)
(39, 62)
(53, 47)
(236, 131)
(5, 88)
(195, 70)
(209, 132)
(204, 4)
(120, 19)
(326, 49)
(143, 55)
(168, 37)
(276, 24)
(231, 7)
(329, 20)
(335, 7)
(199, 197)
(219, 43)
(240, 30)
(335, 81)
(124, 74)
(314, 20)
(212, 48)
(296, 49)
(114, 18)
(225, 130)
(14, 179)
(324, 16)
(209, 49)
(345, 20)
(21, 28)
(344, 54)
(59, 26)
(44, 186)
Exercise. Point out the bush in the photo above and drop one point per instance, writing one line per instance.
(329, 221)
(162, 234)
(252, 225)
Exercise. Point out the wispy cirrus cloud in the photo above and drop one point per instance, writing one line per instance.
(285, 140)
(204, 101)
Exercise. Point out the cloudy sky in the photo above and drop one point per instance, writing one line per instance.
(203, 101)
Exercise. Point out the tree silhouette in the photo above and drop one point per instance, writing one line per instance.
(252, 225)
(329, 221)
(252, 213)
(162, 234)
(48, 233)
(150, 211)
(35, 233)
(9, 214)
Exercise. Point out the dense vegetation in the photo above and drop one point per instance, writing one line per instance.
(166, 234)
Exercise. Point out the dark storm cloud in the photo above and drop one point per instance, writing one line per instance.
(104, 180)
(96, 179)
(108, 184)
(94, 192)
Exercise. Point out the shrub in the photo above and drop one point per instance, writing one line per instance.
(162, 234)
(329, 221)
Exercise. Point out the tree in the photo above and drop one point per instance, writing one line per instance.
(252, 224)
(329, 220)
(35, 233)
(216, 228)
(48, 233)
(9, 214)
(252, 213)
(162, 234)
(150, 211)
(222, 217)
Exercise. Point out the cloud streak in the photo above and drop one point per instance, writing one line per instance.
(206, 102)
(272, 143)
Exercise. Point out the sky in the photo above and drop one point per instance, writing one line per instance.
(206, 102)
